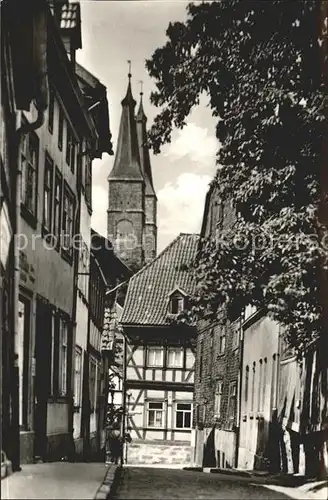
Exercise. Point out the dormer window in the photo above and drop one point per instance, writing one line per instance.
(177, 302)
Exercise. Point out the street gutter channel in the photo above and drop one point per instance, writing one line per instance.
(108, 486)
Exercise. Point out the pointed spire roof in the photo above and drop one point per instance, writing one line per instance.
(127, 160)
(143, 149)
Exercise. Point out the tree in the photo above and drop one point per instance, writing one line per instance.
(262, 66)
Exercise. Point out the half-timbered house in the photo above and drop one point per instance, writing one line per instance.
(159, 357)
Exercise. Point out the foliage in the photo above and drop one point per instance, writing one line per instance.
(262, 66)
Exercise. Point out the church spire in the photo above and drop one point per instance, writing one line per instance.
(127, 160)
(143, 148)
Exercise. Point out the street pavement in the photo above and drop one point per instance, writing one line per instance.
(54, 480)
(156, 483)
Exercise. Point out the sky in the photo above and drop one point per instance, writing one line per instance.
(114, 32)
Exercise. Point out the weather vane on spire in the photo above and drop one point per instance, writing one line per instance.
(141, 87)
(129, 63)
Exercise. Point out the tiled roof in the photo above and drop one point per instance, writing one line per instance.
(70, 15)
(147, 298)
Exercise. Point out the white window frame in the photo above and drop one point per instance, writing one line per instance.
(177, 354)
(63, 357)
(177, 303)
(78, 377)
(29, 153)
(68, 216)
(232, 396)
(222, 340)
(155, 410)
(155, 362)
(93, 390)
(218, 398)
(47, 193)
(184, 413)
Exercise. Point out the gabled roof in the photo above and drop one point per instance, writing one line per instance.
(177, 289)
(147, 299)
(141, 119)
(127, 160)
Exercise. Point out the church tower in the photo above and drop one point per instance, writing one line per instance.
(131, 218)
(150, 230)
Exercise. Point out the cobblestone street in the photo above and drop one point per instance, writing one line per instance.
(153, 483)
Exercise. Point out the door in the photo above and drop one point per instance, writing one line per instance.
(43, 371)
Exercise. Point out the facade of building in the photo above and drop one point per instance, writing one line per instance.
(159, 357)
(256, 405)
(23, 80)
(108, 271)
(87, 329)
(51, 205)
(217, 380)
(259, 446)
(49, 139)
(132, 202)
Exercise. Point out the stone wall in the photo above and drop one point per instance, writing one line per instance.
(152, 452)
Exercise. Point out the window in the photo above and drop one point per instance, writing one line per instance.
(155, 356)
(246, 386)
(176, 304)
(253, 386)
(274, 381)
(210, 351)
(70, 149)
(235, 335)
(22, 351)
(77, 376)
(88, 180)
(63, 356)
(51, 111)
(53, 383)
(190, 359)
(265, 367)
(183, 416)
(57, 204)
(93, 383)
(47, 193)
(60, 129)
(29, 167)
(217, 398)
(155, 414)
(200, 374)
(220, 213)
(232, 404)
(175, 357)
(222, 340)
(68, 214)
(259, 387)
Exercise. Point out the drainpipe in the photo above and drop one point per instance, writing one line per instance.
(20, 133)
(76, 254)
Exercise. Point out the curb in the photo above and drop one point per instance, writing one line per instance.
(108, 485)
